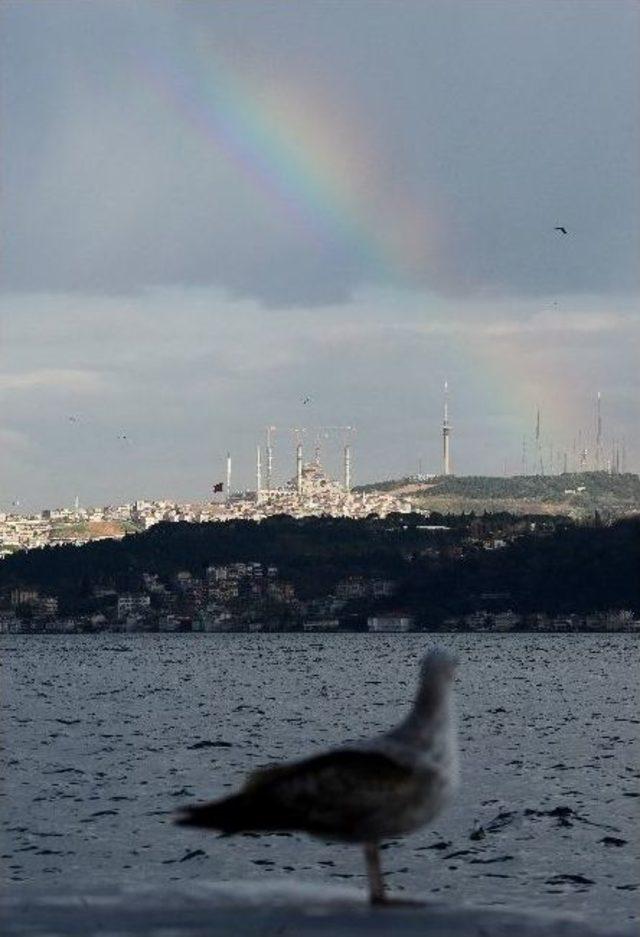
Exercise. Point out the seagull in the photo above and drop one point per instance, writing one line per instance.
(363, 793)
(561, 229)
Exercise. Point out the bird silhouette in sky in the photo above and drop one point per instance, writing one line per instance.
(363, 792)
(561, 229)
(307, 400)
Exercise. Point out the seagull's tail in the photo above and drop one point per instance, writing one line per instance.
(235, 814)
(228, 815)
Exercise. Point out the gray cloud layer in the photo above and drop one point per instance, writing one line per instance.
(186, 374)
(503, 118)
(167, 275)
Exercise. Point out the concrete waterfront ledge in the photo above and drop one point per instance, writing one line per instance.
(252, 909)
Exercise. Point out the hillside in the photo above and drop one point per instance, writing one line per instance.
(574, 495)
(90, 530)
(439, 566)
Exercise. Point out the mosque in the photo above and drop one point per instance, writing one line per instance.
(310, 492)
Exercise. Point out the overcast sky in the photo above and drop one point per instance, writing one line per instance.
(212, 211)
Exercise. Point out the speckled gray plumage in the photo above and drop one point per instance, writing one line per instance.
(364, 793)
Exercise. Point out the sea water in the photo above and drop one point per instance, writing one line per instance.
(106, 735)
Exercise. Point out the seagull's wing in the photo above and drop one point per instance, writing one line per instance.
(340, 766)
(334, 794)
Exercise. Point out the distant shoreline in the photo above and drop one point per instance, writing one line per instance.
(402, 573)
(317, 634)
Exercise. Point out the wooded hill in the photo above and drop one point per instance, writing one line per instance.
(575, 495)
(558, 567)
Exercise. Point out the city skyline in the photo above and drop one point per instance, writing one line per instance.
(596, 444)
(219, 216)
(278, 467)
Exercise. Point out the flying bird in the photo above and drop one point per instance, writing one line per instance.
(363, 793)
(561, 229)
(306, 400)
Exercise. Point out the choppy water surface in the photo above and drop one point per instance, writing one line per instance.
(108, 734)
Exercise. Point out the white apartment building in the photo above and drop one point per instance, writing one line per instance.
(390, 623)
(127, 604)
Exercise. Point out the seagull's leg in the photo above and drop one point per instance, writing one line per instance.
(377, 894)
(374, 873)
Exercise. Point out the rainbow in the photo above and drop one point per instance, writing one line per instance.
(314, 164)
(306, 158)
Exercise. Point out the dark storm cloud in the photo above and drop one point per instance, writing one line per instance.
(511, 118)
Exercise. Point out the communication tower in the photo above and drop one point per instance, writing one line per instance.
(446, 433)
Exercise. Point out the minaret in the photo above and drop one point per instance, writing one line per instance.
(347, 468)
(269, 453)
(258, 474)
(299, 468)
(446, 432)
(228, 476)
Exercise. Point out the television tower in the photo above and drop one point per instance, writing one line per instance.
(598, 432)
(347, 467)
(446, 433)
